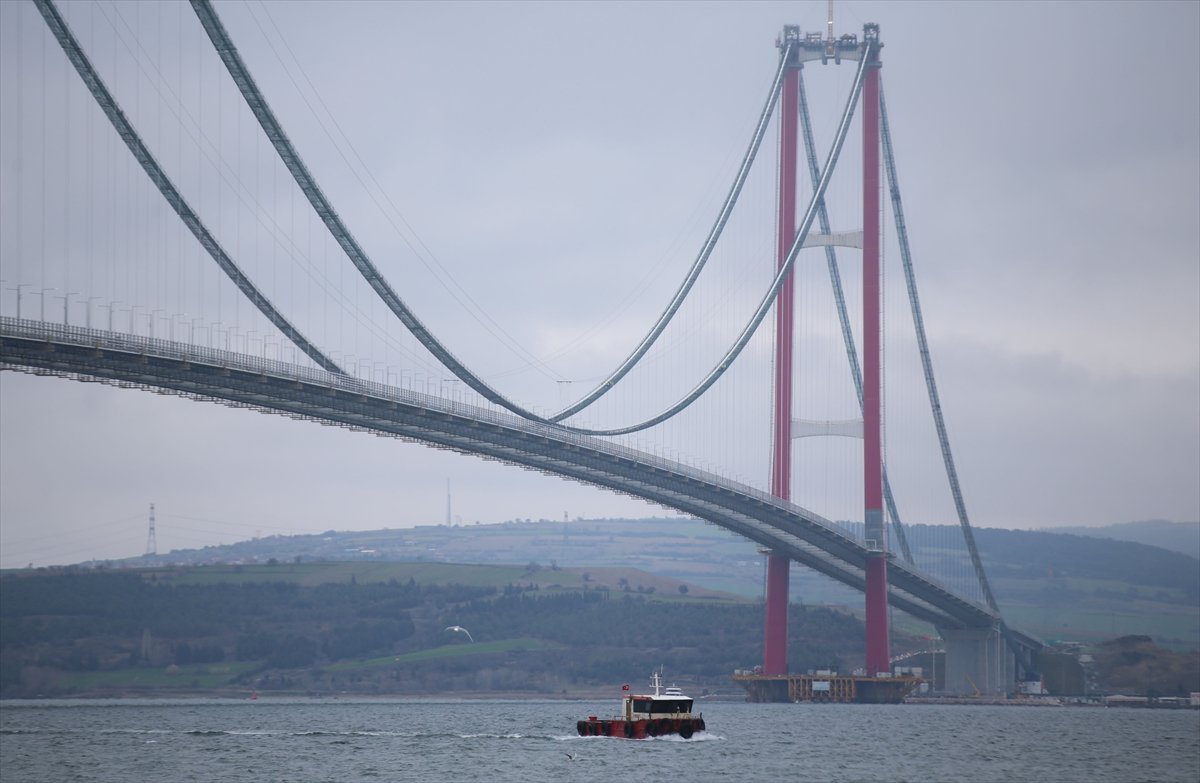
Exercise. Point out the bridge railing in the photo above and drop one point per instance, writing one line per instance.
(167, 349)
(834, 539)
(177, 351)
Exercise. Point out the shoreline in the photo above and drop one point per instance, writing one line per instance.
(272, 697)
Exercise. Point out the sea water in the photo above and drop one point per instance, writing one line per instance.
(273, 739)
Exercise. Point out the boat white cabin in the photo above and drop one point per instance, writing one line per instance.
(663, 703)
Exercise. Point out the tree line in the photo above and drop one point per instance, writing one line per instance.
(76, 620)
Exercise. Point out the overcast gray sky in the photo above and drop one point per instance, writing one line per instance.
(542, 174)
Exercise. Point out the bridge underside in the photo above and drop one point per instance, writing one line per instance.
(315, 395)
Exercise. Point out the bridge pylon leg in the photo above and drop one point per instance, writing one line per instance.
(775, 634)
(878, 633)
(779, 566)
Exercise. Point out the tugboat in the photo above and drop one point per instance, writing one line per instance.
(666, 711)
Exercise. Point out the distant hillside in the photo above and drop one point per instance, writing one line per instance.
(369, 628)
(1032, 555)
(1183, 537)
(1132, 664)
(1084, 589)
(447, 629)
(1058, 586)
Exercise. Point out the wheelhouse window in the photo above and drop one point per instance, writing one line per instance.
(662, 706)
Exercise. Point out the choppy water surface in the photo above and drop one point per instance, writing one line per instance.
(344, 740)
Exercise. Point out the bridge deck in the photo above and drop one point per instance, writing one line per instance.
(308, 393)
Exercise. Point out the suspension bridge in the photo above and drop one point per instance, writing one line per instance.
(204, 289)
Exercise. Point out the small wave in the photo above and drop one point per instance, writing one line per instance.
(700, 736)
(353, 733)
(703, 736)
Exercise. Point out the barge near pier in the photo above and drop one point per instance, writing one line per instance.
(825, 687)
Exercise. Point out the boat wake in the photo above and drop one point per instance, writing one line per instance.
(704, 736)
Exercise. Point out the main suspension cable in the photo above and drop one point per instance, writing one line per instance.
(926, 361)
(784, 270)
(133, 141)
(705, 251)
(308, 185)
(271, 126)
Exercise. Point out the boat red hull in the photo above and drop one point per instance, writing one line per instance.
(640, 729)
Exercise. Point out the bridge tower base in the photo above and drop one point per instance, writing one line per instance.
(826, 687)
(978, 663)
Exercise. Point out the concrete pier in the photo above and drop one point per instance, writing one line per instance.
(978, 662)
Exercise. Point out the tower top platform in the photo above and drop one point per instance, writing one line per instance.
(809, 47)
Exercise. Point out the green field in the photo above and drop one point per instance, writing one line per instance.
(176, 677)
(465, 650)
(311, 574)
(613, 579)
(1172, 626)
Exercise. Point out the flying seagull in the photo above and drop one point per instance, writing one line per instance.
(460, 629)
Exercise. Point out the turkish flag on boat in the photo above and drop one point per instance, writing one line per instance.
(624, 687)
